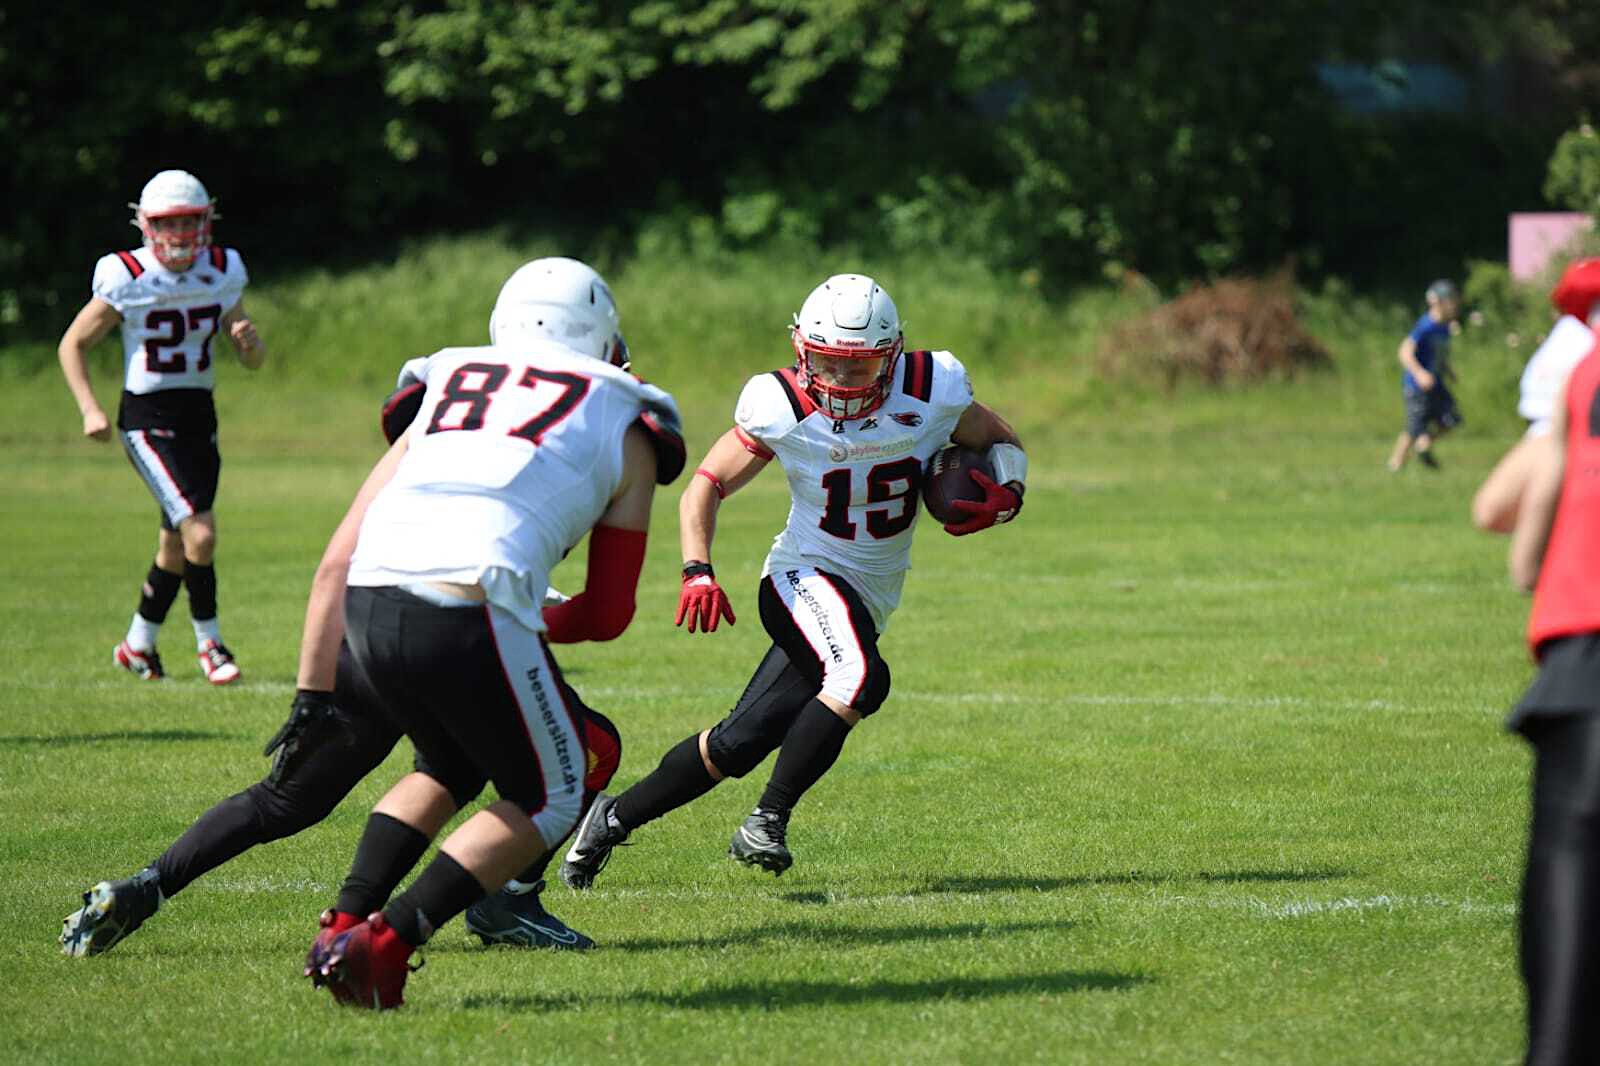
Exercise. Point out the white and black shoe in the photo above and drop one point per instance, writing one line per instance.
(762, 841)
(111, 910)
(597, 834)
(515, 915)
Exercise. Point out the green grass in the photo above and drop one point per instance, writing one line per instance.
(1198, 762)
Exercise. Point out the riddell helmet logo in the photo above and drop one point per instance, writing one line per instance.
(907, 418)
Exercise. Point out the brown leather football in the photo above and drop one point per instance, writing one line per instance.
(948, 477)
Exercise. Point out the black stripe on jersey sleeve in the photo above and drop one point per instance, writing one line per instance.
(219, 257)
(918, 380)
(795, 403)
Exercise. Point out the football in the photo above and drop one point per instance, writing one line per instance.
(948, 478)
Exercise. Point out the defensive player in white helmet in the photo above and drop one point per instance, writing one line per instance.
(1494, 507)
(172, 297)
(852, 423)
(518, 450)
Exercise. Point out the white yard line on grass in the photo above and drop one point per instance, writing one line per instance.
(1307, 908)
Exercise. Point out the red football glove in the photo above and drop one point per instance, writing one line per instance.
(702, 601)
(1000, 503)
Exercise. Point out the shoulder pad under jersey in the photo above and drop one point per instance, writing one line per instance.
(666, 436)
(114, 275)
(772, 405)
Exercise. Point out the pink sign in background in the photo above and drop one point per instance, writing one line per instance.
(1537, 235)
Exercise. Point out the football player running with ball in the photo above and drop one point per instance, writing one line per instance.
(852, 423)
(172, 298)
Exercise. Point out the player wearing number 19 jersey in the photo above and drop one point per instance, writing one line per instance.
(171, 297)
(852, 424)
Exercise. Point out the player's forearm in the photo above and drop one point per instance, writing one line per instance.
(604, 608)
(1407, 355)
(697, 519)
(75, 368)
(1535, 517)
(324, 624)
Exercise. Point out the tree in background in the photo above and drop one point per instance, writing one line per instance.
(1064, 136)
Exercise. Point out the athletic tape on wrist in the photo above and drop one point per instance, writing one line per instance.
(1009, 462)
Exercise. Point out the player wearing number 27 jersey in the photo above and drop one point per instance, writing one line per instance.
(172, 298)
(852, 423)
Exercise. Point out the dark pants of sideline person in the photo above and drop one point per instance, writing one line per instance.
(1560, 922)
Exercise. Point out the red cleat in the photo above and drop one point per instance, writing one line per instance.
(363, 963)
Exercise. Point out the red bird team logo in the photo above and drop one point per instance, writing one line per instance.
(907, 418)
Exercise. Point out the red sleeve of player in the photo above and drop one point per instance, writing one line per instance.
(605, 606)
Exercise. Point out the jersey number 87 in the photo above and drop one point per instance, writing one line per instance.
(477, 395)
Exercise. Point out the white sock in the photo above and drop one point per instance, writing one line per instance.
(142, 633)
(210, 629)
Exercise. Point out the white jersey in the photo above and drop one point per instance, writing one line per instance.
(513, 457)
(855, 486)
(169, 320)
(1548, 368)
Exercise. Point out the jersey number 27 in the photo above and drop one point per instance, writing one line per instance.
(171, 322)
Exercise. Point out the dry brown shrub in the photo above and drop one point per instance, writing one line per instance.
(1234, 330)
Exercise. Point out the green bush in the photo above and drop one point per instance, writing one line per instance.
(1573, 179)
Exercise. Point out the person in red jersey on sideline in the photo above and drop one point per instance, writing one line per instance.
(1555, 552)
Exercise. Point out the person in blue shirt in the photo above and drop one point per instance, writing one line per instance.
(1425, 358)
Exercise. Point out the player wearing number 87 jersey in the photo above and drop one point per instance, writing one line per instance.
(851, 423)
(172, 298)
(518, 450)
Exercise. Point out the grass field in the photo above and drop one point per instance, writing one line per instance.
(1198, 762)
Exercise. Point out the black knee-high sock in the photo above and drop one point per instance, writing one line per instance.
(156, 596)
(1560, 917)
(441, 892)
(680, 777)
(202, 582)
(809, 748)
(388, 850)
(230, 828)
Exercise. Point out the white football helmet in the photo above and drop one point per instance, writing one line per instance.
(562, 300)
(847, 340)
(177, 195)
